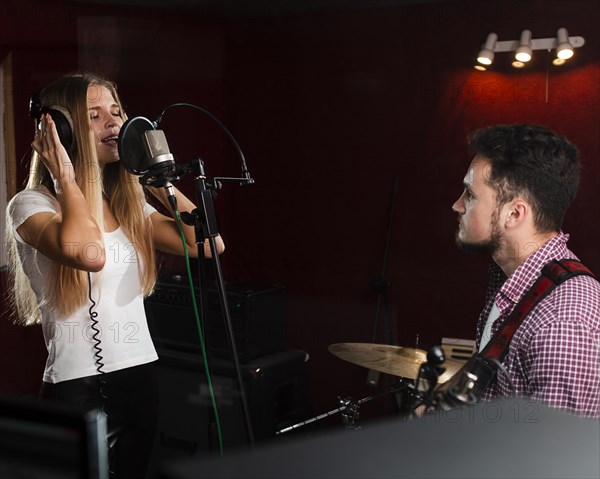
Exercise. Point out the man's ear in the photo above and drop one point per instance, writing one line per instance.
(516, 212)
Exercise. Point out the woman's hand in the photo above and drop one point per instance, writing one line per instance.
(47, 145)
(166, 232)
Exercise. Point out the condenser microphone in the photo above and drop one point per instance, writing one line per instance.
(142, 148)
(157, 150)
(144, 151)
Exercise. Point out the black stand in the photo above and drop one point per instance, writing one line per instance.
(349, 407)
(381, 285)
(148, 155)
(204, 220)
(429, 373)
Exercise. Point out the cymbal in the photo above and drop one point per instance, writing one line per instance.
(394, 360)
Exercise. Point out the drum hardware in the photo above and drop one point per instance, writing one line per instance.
(435, 382)
(429, 374)
(420, 375)
(394, 360)
(350, 408)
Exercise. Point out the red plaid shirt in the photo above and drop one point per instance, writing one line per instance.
(554, 356)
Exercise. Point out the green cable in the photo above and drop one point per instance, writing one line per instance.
(202, 346)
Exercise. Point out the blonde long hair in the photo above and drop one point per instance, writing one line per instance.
(126, 199)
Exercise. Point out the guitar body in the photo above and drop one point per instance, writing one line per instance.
(468, 384)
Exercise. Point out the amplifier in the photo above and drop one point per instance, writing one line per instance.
(257, 316)
(458, 349)
(276, 387)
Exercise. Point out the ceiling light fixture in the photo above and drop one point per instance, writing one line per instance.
(524, 47)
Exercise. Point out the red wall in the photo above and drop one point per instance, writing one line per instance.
(329, 108)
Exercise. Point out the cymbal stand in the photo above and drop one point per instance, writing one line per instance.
(349, 407)
(381, 285)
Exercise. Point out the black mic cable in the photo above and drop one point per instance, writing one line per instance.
(246, 178)
(99, 359)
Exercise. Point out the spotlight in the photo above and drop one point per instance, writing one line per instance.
(564, 49)
(486, 55)
(524, 52)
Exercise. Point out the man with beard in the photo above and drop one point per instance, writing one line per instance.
(516, 191)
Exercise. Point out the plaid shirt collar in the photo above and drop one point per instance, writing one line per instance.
(525, 275)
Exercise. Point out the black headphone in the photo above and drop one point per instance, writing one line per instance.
(60, 116)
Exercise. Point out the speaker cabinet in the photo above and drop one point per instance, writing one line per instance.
(257, 315)
(276, 392)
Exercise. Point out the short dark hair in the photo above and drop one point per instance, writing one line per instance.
(532, 161)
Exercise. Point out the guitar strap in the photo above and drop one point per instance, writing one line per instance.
(485, 364)
(553, 274)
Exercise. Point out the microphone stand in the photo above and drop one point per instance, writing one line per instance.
(202, 301)
(204, 220)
